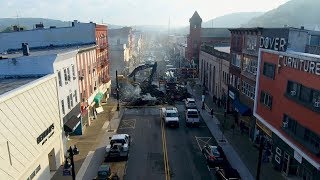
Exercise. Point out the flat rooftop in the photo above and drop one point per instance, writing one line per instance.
(46, 51)
(223, 49)
(7, 85)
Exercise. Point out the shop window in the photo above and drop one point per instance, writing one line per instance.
(269, 70)
(266, 99)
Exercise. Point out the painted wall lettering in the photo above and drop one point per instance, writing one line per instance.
(278, 44)
(45, 134)
(312, 67)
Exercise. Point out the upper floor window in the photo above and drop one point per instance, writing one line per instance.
(75, 96)
(62, 107)
(59, 78)
(250, 65)
(251, 42)
(73, 72)
(306, 96)
(269, 70)
(65, 76)
(235, 60)
(248, 90)
(266, 99)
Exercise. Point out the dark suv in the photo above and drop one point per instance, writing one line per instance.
(214, 155)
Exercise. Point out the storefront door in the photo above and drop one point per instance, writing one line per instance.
(285, 163)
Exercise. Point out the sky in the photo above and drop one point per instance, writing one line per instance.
(132, 12)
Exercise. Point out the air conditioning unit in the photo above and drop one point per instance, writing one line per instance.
(285, 124)
(316, 104)
(293, 93)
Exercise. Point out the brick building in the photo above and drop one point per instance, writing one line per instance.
(288, 103)
(198, 35)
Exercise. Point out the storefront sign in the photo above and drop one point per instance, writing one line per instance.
(45, 134)
(278, 44)
(297, 156)
(231, 94)
(308, 66)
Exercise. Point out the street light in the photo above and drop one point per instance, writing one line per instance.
(67, 165)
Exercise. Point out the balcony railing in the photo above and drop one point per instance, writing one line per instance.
(313, 49)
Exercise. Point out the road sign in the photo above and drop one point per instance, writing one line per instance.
(66, 172)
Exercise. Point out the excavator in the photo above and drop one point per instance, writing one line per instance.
(143, 67)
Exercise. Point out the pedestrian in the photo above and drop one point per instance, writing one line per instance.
(202, 105)
(211, 113)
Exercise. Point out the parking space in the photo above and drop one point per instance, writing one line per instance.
(127, 124)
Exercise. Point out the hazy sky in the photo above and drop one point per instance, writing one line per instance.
(131, 12)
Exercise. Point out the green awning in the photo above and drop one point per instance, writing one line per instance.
(98, 97)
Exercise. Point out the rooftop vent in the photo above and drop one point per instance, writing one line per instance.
(39, 26)
(25, 49)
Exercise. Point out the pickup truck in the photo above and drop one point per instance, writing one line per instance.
(118, 147)
(170, 116)
(192, 117)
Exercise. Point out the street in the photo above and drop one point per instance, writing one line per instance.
(147, 161)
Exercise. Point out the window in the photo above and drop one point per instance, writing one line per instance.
(312, 138)
(292, 89)
(250, 65)
(68, 74)
(305, 94)
(65, 76)
(75, 96)
(62, 107)
(235, 60)
(68, 101)
(71, 100)
(316, 99)
(289, 124)
(73, 72)
(238, 83)
(248, 90)
(269, 70)
(266, 99)
(59, 79)
(251, 42)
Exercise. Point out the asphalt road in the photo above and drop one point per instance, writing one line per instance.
(146, 160)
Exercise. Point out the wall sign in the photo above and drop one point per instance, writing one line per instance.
(45, 133)
(308, 66)
(278, 44)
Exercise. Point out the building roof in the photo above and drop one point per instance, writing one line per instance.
(7, 85)
(215, 32)
(195, 17)
(223, 49)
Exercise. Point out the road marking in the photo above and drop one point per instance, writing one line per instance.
(203, 140)
(128, 124)
(165, 153)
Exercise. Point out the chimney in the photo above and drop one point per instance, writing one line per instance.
(25, 49)
(74, 22)
(15, 28)
(302, 27)
(39, 26)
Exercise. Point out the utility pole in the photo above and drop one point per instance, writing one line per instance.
(260, 157)
(117, 89)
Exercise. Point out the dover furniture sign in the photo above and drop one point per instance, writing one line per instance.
(309, 66)
(273, 43)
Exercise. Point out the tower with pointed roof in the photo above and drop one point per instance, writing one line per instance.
(194, 38)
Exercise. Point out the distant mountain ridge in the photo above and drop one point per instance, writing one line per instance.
(29, 23)
(294, 13)
(233, 20)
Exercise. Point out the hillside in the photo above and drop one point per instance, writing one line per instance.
(231, 20)
(30, 22)
(293, 13)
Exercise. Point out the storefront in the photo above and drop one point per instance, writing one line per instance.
(72, 122)
(290, 163)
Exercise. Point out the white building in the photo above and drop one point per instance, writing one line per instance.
(62, 63)
(77, 33)
(31, 130)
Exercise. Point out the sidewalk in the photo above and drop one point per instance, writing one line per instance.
(90, 140)
(240, 149)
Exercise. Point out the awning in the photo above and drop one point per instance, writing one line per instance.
(71, 124)
(241, 108)
(98, 97)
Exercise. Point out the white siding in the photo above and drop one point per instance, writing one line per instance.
(25, 113)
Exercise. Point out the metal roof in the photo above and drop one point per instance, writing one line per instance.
(7, 85)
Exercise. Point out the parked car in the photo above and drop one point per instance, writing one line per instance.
(104, 172)
(214, 155)
(190, 103)
(118, 147)
(192, 117)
